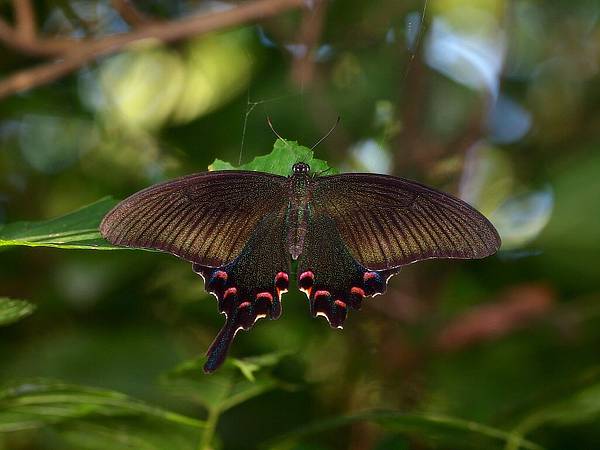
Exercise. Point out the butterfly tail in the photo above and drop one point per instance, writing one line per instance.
(217, 352)
(250, 287)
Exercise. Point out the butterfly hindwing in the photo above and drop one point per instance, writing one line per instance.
(330, 276)
(249, 287)
(388, 222)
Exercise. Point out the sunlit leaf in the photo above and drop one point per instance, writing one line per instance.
(280, 160)
(519, 213)
(430, 427)
(12, 310)
(141, 88)
(521, 218)
(217, 68)
(369, 155)
(473, 58)
(42, 402)
(488, 179)
(78, 229)
(151, 85)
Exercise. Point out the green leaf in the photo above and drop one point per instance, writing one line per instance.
(131, 434)
(280, 161)
(78, 229)
(237, 381)
(442, 429)
(248, 366)
(12, 310)
(43, 402)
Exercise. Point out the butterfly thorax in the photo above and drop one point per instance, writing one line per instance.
(298, 208)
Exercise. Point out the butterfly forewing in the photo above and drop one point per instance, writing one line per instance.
(204, 218)
(388, 222)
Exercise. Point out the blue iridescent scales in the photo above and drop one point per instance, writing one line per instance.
(349, 234)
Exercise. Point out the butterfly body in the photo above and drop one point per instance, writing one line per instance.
(348, 233)
(298, 208)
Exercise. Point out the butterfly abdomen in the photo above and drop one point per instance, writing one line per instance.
(298, 213)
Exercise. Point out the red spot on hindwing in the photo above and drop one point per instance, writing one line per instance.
(357, 291)
(265, 295)
(306, 282)
(373, 283)
(221, 274)
(368, 276)
(340, 304)
(282, 280)
(230, 292)
(306, 279)
(322, 294)
(216, 281)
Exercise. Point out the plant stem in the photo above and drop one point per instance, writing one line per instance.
(209, 430)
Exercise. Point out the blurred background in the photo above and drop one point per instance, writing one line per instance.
(496, 101)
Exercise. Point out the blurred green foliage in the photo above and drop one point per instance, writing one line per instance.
(496, 101)
(12, 310)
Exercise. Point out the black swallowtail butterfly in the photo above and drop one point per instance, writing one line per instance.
(349, 233)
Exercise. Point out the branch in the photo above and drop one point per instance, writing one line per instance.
(32, 45)
(130, 13)
(411, 143)
(25, 19)
(85, 51)
(303, 69)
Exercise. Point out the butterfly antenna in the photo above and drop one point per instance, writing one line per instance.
(328, 133)
(273, 129)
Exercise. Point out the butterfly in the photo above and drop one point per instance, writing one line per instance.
(349, 233)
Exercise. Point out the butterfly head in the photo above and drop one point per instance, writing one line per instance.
(301, 168)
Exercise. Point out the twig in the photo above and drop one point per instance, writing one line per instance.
(85, 51)
(33, 46)
(411, 143)
(303, 68)
(25, 19)
(130, 13)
